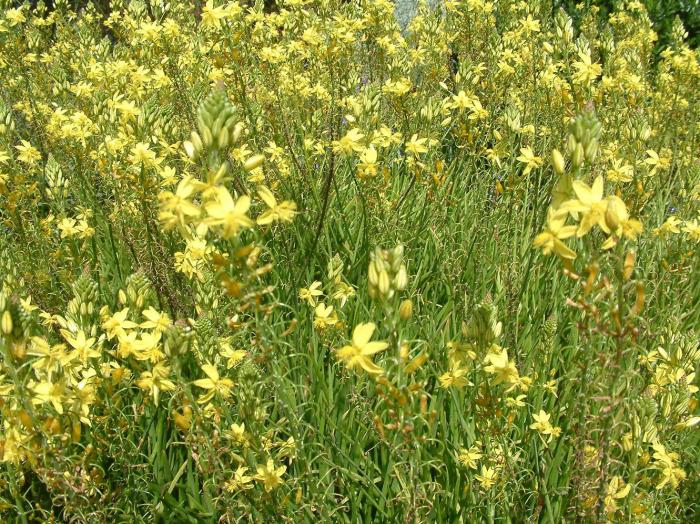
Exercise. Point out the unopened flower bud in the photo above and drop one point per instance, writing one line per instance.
(384, 283)
(401, 279)
(571, 144)
(76, 431)
(558, 162)
(578, 156)
(53, 425)
(222, 138)
(207, 138)
(196, 142)
(6, 324)
(253, 162)
(627, 441)
(236, 133)
(406, 309)
(615, 213)
(26, 419)
(373, 274)
(19, 350)
(189, 149)
(591, 150)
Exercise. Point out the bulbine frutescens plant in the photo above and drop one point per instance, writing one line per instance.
(68, 377)
(292, 263)
(611, 303)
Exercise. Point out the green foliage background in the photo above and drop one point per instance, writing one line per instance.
(661, 12)
(467, 236)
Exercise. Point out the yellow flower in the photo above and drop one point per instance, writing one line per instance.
(530, 25)
(665, 462)
(670, 227)
(309, 294)
(324, 316)
(416, 146)
(157, 321)
(49, 392)
(551, 238)
(586, 70)
(233, 356)
(487, 478)
(211, 15)
(619, 172)
(461, 101)
(531, 161)
(237, 434)
(616, 490)
(692, 229)
(455, 377)
(82, 345)
(499, 365)
(656, 162)
(129, 111)
(240, 481)
(117, 324)
(15, 16)
(541, 423)
(230, 215)
(468, 457)
(349, 143)
(156, 381)
(28, 153)
(176, 209)
(284, 211)
(590, 202)
(214, 384)
(148, 347)
(516, 402)
(368, 163)
(477, 111)
(399, 87)
(359, 353)
(342, 291)
(141, 154)
(127, 344)
(52, 357)
(67, 227)
(270, 476)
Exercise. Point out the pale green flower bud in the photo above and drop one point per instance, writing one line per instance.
(571, 144)
(591, 150)
(406, 309)
(196, 142)
(558, 162)
(253, 162)
(615, 213)
(401, 279)
(236, 133)
(578, 156)
(373, 273)
(223, 138)
(384, 283)
(207, 137)
(6, 324)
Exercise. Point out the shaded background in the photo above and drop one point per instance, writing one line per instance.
(661, 12)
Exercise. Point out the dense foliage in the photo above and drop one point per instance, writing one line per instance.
(298, 265)
(662, 14)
